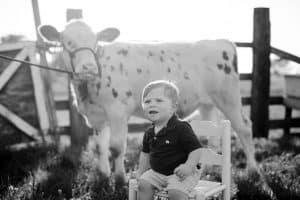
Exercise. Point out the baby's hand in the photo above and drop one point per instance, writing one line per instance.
(134, 175)
(183, 171)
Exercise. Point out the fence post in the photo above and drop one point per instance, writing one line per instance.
(260, 91)
(74, 14)
(45, 74)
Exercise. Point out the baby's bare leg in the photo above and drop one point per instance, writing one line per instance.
(145, 190)
(177, 195)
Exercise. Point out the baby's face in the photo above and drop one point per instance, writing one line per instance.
(158, 107)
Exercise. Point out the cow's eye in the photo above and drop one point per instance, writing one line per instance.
(146, 101)
(70, 45)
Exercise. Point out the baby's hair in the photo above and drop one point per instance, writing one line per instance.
(170, 89)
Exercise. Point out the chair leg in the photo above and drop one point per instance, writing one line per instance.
(132, 190)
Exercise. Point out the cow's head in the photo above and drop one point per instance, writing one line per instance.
(80, 45)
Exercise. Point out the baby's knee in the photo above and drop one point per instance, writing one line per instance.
(145, 186)
(177, 195)
(145, 190)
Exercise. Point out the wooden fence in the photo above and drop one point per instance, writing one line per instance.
(260, 99)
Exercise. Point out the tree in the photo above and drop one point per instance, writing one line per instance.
(11, 38)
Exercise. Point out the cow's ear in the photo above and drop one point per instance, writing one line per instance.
(49, 33)
(108, 34)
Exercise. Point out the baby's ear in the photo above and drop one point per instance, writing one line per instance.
(175, 106)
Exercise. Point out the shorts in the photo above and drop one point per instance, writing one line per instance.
(170, 182)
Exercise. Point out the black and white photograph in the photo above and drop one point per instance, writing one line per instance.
(150, 100)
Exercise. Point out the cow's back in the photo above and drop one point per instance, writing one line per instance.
(199, 69)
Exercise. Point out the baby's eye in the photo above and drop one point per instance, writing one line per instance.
(147, 101)
(159, 100)
(70, 45)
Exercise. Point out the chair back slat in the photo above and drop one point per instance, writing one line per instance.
(210, 157)
(206, 128)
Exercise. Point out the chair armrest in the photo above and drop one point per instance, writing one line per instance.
(132, 190)
(215, 190)
(206, 189)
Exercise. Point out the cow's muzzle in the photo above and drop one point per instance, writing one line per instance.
(84, 75)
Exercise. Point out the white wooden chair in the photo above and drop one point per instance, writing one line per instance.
(207, 189)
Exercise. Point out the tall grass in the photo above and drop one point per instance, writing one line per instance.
(45, 174)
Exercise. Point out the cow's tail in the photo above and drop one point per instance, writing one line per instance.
(235, 57)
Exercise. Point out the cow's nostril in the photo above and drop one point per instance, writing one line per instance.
(89, 67)
(85, 67)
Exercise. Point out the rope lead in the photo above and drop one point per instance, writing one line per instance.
(36, 65)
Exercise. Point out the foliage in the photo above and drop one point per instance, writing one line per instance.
(283, 175)
(11, 38)
(132, 155)
(279, 169)
(45, 174)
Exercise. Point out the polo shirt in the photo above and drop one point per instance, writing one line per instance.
(171, 146)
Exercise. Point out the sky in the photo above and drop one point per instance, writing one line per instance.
(165, 20)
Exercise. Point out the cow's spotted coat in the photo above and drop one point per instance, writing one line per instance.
(205, 72)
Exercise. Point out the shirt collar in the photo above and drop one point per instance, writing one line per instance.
(170, 125)
(172, 122)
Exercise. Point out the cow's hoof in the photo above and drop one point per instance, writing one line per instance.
(253, 173)
(120, 180)
(253, 167)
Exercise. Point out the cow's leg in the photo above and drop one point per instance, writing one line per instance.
(118, 142)
(242, 125)
(104, 137)
(118, 123)
(204, 112)
(230, 104)
(208, 112)
(99, 143)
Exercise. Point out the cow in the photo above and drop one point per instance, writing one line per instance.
(109, 76)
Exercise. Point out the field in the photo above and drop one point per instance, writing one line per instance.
(48, 172)
(45, 173)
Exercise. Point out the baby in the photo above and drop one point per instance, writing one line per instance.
(170, 150)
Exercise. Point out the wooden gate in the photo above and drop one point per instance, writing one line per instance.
(22, 94)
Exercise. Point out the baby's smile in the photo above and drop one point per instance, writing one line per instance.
(152, 112)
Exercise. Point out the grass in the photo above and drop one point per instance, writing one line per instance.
(43, 173)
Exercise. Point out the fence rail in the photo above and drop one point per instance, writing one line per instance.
(246, 77)
(279, 123)
(244, 44)
(273, 100)
(285, 55)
